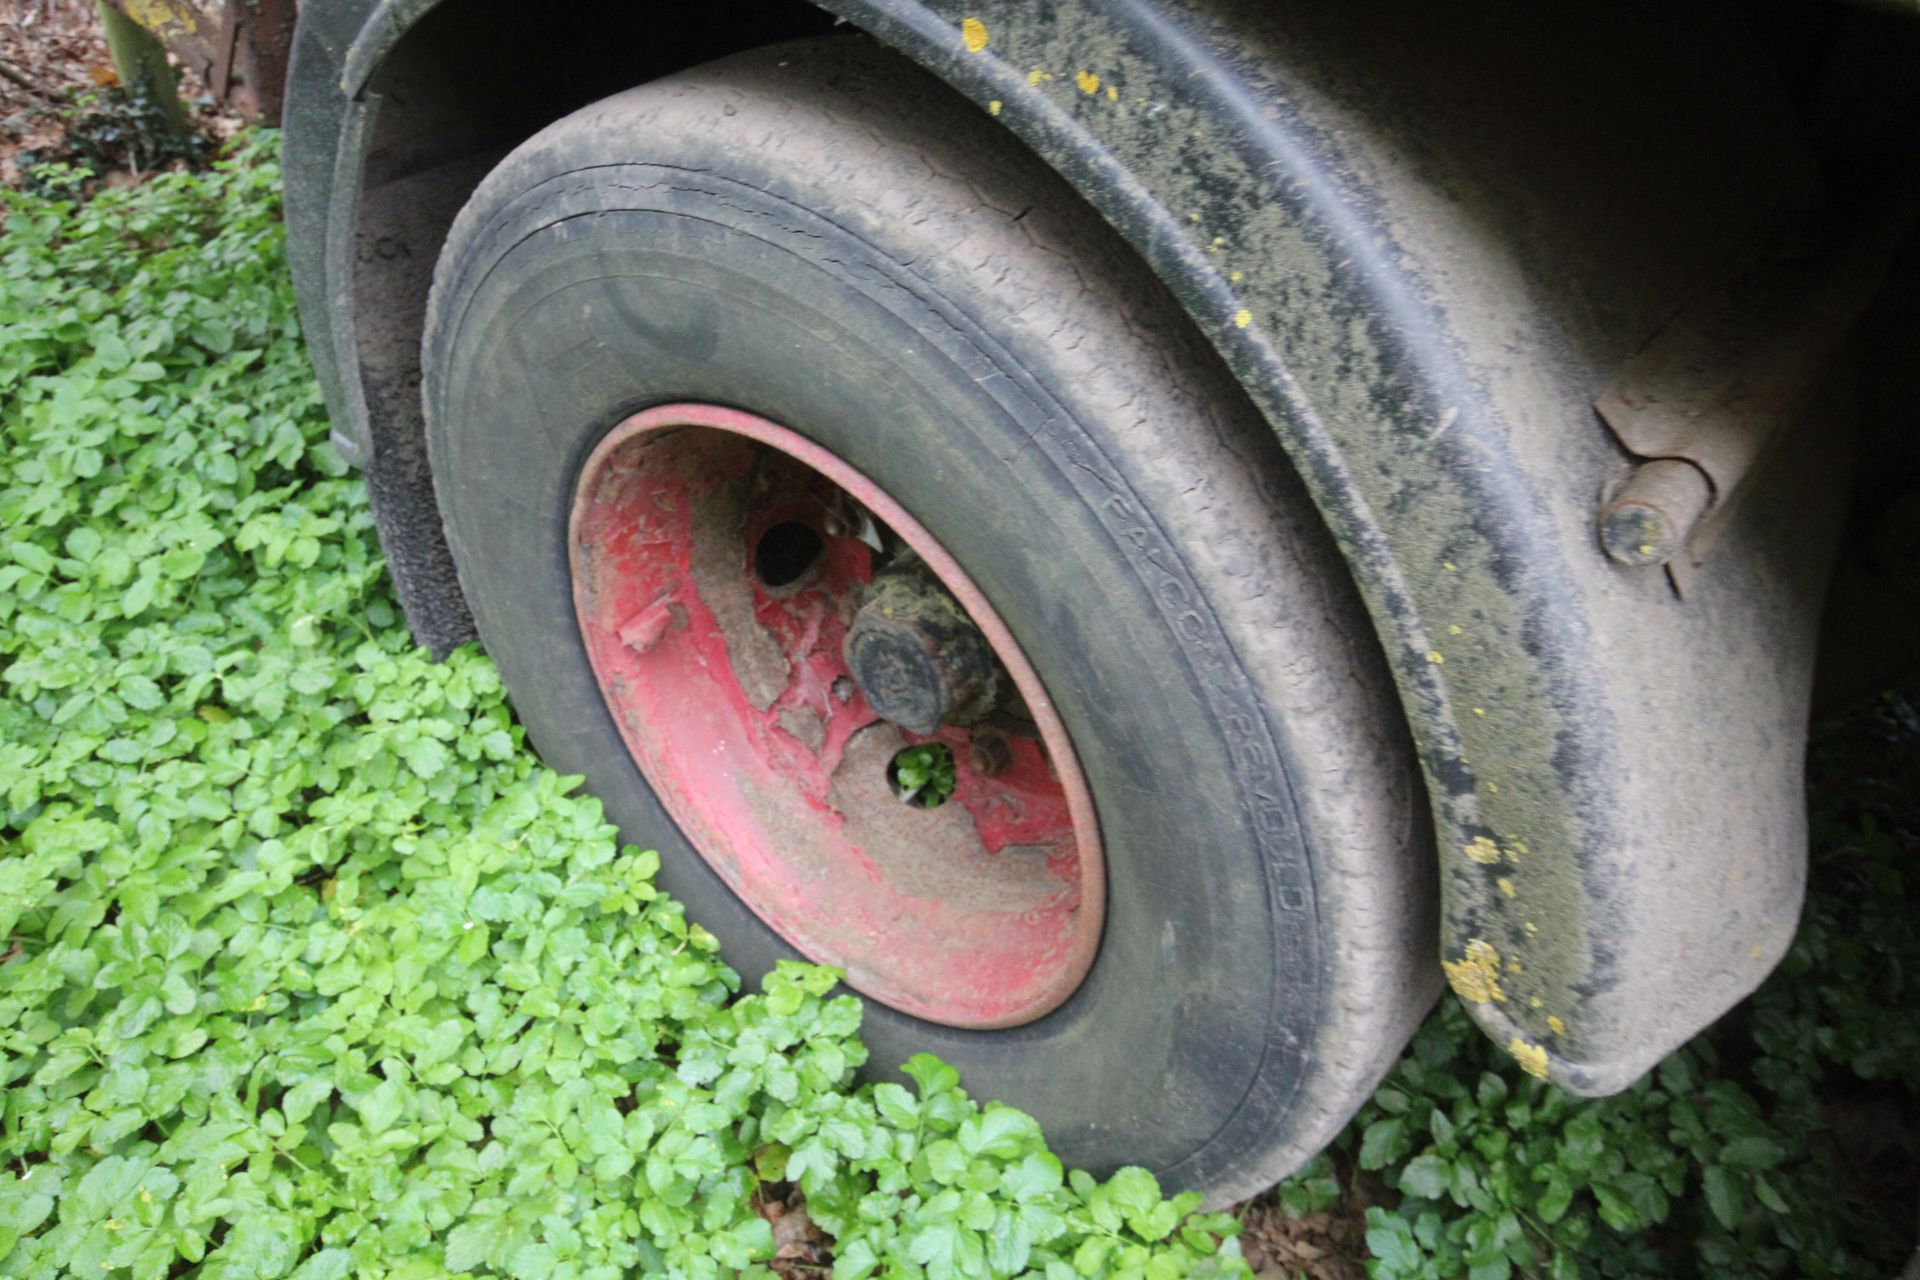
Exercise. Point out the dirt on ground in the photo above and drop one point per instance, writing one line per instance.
(51, 53)
(61, 102)
(1328, 1244)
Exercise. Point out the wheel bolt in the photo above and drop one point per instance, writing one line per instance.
(989, 752)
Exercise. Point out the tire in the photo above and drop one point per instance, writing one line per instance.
(821, 234)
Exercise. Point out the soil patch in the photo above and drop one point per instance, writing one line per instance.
(61, 102)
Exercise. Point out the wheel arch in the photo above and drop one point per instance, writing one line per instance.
(1425, 321)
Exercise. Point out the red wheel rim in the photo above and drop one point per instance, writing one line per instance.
(721, 663)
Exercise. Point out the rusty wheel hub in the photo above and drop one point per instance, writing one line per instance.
(771, 632)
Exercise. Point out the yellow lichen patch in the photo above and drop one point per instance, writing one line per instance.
(1531, 928)
(1476, 976)
(1036, 76)
(1113, 93)
(1483, 851)
(1556, 1026)
(1448, 565)
(1436, 657)
(1453, 629)
(974, 32)
(1535, 1002)
(1242, 318)
(163, 18)
(1089, 83)
(993, 108)
(1480, 711)
(1531, 1057)
(1236, 276)
(1506, 887)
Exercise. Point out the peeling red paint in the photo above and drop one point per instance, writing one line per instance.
(734, 700)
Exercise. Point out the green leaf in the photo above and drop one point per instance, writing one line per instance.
(472, 1244)
(328, 1264)
(896, 1106)
(426, 756)
(1428, 1176)
(1764, 1192)
(1382, 1142)
(932, 1075)
(1037, 1174)
(1001, 1132)
(1556, 1197)
(1752, 1153)
(1390, 1241)
(1724, 1195)
(381, 1107)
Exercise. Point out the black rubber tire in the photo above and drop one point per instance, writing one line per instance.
(822, 234)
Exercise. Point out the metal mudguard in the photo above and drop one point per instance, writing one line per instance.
(1425, 237)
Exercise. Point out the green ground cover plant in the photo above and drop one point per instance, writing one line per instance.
(308, 969)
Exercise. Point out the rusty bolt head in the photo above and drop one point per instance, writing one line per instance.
(1654, 512)
(989, 752)
(1638, 533)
